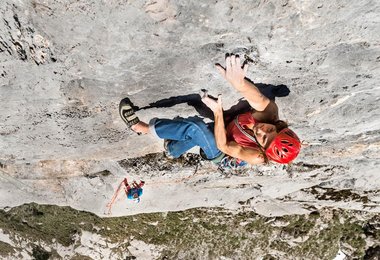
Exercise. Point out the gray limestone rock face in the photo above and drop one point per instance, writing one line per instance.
(65, 65)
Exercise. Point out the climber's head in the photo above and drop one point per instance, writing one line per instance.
(280, 143)
(264, 134)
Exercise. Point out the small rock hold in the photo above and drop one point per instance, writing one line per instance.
(284, 3)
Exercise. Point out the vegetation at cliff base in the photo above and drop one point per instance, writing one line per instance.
(194, 233)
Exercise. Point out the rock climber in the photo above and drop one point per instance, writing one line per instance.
(133, 191)
(255, 137)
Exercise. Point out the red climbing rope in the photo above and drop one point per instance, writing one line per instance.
(110, 204)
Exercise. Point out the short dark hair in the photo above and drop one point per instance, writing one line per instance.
(280, 125)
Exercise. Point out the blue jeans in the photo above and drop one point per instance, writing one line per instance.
(184, 135)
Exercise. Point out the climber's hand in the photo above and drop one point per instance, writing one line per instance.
(234, 71)
(214, 105)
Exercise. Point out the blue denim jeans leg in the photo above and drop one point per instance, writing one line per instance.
(185, 134)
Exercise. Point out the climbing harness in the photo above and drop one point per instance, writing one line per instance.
(231, 166)
(231, 163)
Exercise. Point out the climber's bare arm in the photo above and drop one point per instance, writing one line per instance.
(235, 74)
(251, 156)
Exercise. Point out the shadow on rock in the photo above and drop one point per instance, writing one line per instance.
(194, 100)
(273, 91)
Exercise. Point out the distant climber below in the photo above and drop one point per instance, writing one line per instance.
(255, 137)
